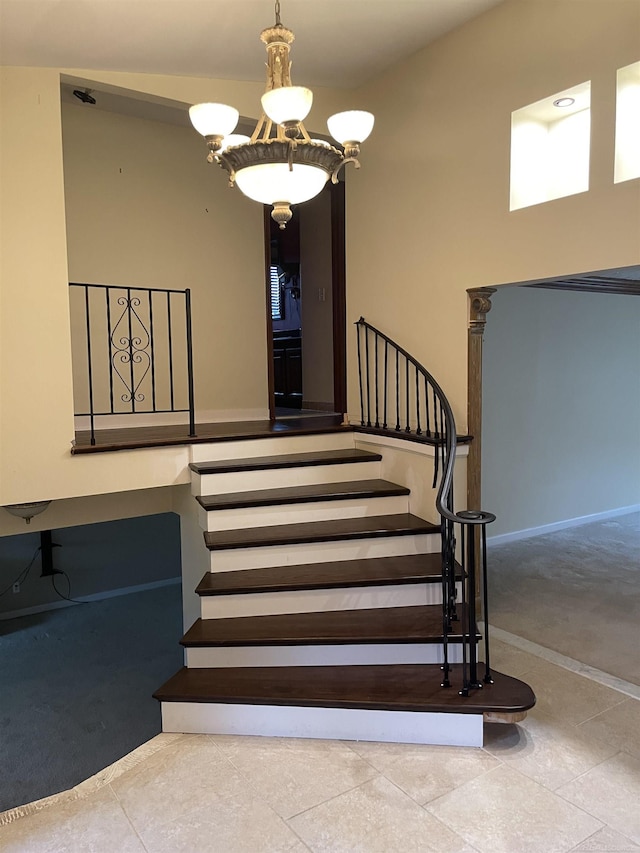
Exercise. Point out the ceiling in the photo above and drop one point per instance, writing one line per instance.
(340, 43)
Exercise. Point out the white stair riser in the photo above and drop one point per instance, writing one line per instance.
(319, 600)
(325, 723)
(249, 517)
(236, 559)
(279, 478)
(348, 654)
(274, 446)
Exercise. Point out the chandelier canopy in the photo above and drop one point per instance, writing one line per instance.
(280, 164)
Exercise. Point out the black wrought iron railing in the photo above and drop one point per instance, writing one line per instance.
(132, 352)
(399, 397)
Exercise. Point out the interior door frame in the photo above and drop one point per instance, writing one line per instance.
(338, 297)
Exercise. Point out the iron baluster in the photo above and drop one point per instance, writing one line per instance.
(366, 351)
(169, 330)
(406, 389)
(397, 390)
(445, 614)
(376, 380)
(418, 430)
(358, 333)
(470, 615)
(108, 298)
(152, 354)
(488, 679)
(436, 450)
(192, 410)
(386, 382)
(87, 311)
(426, 399)
(463, 604)
(130, 345)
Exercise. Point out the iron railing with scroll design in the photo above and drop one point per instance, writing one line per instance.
(399, 397)
(132, 351)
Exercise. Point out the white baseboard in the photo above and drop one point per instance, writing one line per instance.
(98, 596)
(503, 538)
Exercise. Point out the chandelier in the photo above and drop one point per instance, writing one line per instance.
(280, 164)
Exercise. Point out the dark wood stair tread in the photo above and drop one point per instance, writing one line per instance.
(416, 624)
(360, 489)
(377, 571)
(286, 460)
(400, 524)
(405, 687)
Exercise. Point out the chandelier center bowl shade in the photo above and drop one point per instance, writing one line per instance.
(280, 164)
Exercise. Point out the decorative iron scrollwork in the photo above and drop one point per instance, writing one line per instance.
(131, 349)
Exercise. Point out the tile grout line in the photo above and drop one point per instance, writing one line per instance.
(335, 796)
(127, 818)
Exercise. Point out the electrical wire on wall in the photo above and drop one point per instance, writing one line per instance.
(23, 574)
(57, 591)
(21, 578)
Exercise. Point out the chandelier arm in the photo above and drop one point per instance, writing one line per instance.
(259, 128)
(225, 163)
(336, 172)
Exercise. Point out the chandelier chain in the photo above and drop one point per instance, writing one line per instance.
(278, 21)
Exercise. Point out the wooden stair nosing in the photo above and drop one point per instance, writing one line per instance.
(286, 460)
(377, 571)
(413, 624)
(403, 687)
(337, 530)
(360, 489)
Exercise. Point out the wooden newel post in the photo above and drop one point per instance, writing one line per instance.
(479, 307)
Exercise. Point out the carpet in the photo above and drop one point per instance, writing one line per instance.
(575, 591)
(76, 688)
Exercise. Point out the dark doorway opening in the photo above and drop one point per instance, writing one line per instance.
(306, 310)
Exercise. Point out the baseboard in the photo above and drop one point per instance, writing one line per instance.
(529, 532)
(98, 596)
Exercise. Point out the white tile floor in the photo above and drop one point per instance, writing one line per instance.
(566, 779)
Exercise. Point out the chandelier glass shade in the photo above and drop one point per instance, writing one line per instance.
(280, 164)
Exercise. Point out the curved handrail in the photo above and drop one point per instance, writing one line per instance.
(474, 517)
(472, 544)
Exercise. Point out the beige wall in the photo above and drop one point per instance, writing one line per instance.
(561, 401)
(428, 214)
(145, 209)
(36, 385)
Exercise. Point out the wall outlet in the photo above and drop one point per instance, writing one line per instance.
(16, 587)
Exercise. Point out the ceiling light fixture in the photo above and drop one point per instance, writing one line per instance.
(280, 164)
(27, 510)
(564, 102)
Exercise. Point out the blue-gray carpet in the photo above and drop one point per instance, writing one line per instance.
(76, 685)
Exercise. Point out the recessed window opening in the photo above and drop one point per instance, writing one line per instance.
(627, 158)
(550, 145)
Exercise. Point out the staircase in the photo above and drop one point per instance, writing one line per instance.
(321, 615)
